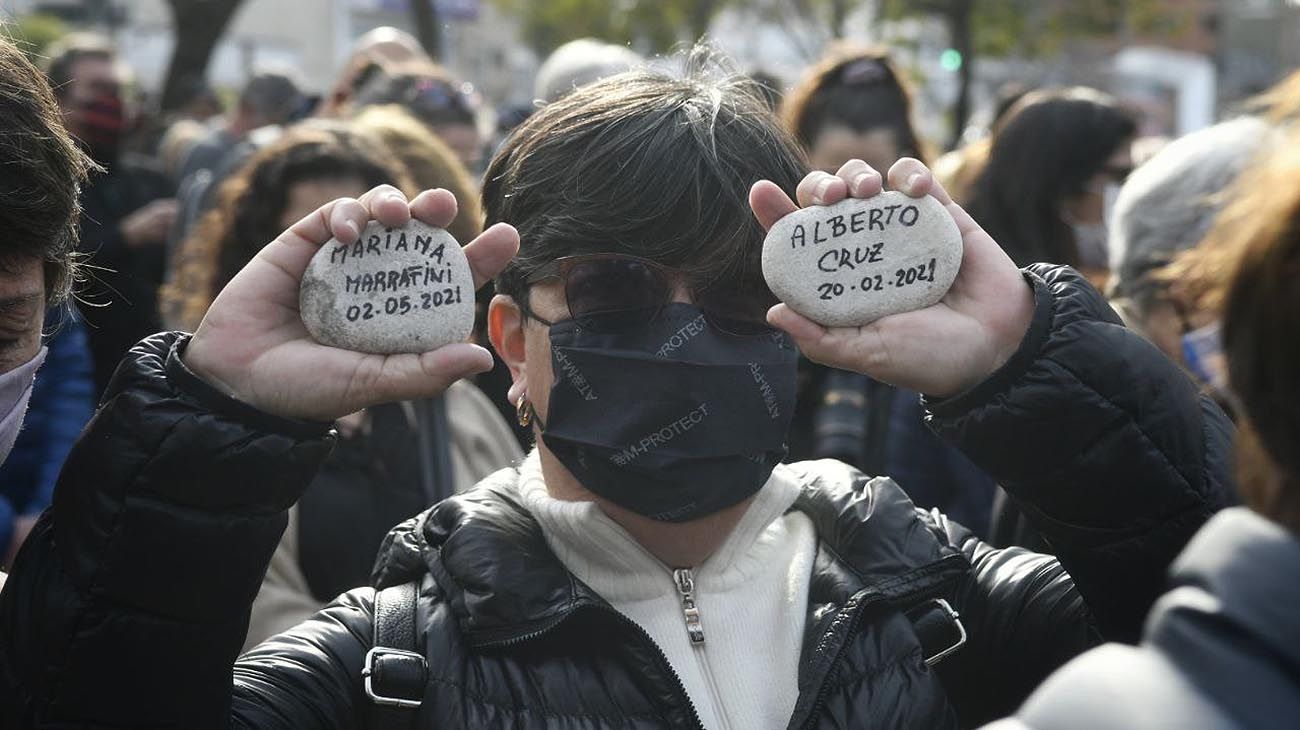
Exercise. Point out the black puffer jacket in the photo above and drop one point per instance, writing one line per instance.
(127, 605)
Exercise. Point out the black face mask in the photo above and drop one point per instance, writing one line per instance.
(674, 419)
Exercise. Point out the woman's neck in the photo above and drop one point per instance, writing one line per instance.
(675, 544)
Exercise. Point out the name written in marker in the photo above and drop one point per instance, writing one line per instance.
(395, 279)
(376, 245)
(876, 219)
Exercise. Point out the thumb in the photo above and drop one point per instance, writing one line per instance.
(390, 378)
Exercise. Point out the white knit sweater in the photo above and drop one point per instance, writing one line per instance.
(752, 596)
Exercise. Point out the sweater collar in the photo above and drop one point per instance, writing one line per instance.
(603, 555)
(1250, 569)
(502, 581)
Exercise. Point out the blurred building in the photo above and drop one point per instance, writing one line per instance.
(312, 36)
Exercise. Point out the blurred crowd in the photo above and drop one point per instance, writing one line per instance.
(180, 205)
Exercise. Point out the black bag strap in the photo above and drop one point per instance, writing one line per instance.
(395, 672)
(939, 629)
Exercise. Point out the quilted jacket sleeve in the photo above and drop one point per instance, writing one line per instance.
(128, 605)
(1116, 459)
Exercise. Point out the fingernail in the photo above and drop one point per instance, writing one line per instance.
(861, 180)
(351, 225)
(823, 187)
(914, 180)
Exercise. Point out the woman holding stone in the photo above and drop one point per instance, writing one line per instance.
(651, 564)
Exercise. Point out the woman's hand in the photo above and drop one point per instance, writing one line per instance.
(253, 345)
(941, 350)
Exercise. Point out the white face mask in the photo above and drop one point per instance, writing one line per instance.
(1091, 239)
(15, 391)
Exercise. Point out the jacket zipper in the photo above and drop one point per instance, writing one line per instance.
(685, 581)
(810, 718)
(553, 623)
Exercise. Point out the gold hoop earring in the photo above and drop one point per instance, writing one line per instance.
(524, 411)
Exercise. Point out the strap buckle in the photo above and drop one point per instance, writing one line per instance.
(952, 614)
(391, 667)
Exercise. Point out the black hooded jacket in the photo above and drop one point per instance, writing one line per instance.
(128, 603)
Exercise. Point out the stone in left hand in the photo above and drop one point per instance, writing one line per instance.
(395, 290)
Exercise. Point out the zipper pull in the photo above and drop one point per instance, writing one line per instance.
(686, 587)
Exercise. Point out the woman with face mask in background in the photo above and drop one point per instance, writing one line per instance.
(651, 564)
(1051, 177)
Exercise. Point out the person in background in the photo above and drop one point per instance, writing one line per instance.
(268, 101)
(271, 97)
(41, 170)
(377, 49)
(854, 104)
(1165, 208)
(449, 107)
(1047, 190)
(126, 211)
(62, 401)
(578, 63)
(1221, 649)
(392, 460)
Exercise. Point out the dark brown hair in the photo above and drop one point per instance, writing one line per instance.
(251, 202)
(1261, 327)
(647, 164)
(41, 171)
(859, 88)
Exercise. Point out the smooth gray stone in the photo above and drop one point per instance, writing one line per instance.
(407, 289)
(851, 263)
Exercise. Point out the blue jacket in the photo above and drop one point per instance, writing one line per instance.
(61, 404)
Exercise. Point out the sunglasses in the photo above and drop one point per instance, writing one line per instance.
(608, 292)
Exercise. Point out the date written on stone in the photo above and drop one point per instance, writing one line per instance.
(851, 263)
(393, 290)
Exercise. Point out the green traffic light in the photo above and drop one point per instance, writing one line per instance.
(950, 59)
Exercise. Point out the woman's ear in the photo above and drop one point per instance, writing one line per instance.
(506, 331)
